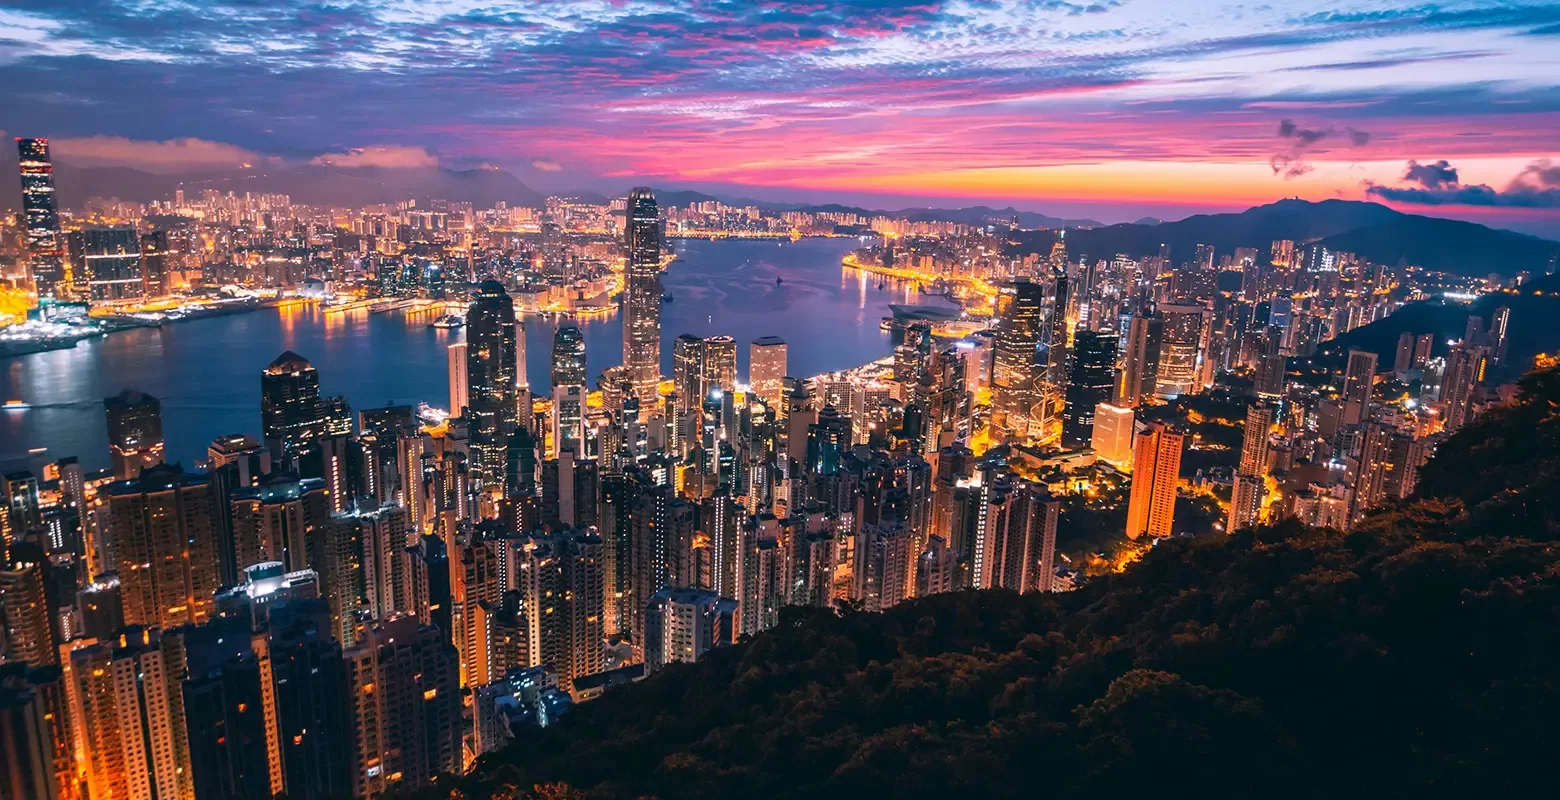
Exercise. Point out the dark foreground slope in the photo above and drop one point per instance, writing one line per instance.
(1414, 657)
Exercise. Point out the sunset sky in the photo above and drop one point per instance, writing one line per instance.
(1113, 109)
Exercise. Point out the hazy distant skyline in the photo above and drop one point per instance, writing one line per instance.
(1111, 109)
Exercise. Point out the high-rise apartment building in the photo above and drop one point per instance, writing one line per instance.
(642, 296)
(160, 539)
(460, 383)
(403, 681)
(1359, 380)
(135, 435)
(681, 625)
(1156, 472)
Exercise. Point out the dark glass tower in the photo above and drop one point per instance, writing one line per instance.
(1092, 381)
(135, 435)
(1021, 307)
(568, 357)
(40, 209)
(292, 414)
(642, 296)
(490, 373)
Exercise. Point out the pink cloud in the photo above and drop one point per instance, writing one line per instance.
(388, 157)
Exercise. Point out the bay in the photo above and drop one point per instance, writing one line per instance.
(207, 372)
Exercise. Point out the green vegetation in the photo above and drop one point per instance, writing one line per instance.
(1413, 657)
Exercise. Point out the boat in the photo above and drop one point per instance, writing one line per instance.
(666, 298)
(779, 281)
(448, 322)
(15, 405)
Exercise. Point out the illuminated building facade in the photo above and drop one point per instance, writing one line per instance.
(40, 211)
(1156, 471)
(490, 372)
(135, 435)
(642, 296)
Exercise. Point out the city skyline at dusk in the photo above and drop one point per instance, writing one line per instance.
(1110, 110)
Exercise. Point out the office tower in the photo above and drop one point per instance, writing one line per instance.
(1092, 382)
(642, 296)
(280, 520)
(24, 614)
(766, 369)
(688, 373)
(1404, 360)
(135, 437)
(1140, 363)
(569, 593)
(827, 441)
(111, 260)
(128, 711)
(1156, 471)
(1422, 349)
(1464, 372)
(568, 417)
(154, 264)
(292, 413)
(20, 492)
(1359, 380)
(681, 625)
(1112, 438)
(41, 216)
(404, 686)
(249, 457)
(720, 364)
(490, 374)
(882, 565)
(1499, 323)
(568, 357)
(313, 711)
(460, 386)
(160, 539)
(1180, 350)
(36, 750)
(1020, 308)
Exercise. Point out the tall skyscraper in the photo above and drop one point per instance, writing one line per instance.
(1020, 309)
(1156, 471)
(24, 614)
(1140, 362)
(1464, 372)
(642, 296)
(1112, 439)
(292, 414)
(1499, 323)
(766, 370)
(1092, 382)
(568, 572)
(688, 373)
(1180, 350)
(135, 437)
(1359, 380)
(490, 375)
(1404, 360)
(1250, 474)
(404, 685)
(568, 357)
(160, 539)
(127, 697)
(155, 258)
(720, 364)
(36, 748)
(460, 384)
(313, 711)
(40, 211)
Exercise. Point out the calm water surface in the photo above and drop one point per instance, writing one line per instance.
(207, 372)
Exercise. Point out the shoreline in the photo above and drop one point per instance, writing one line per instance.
(117, 324)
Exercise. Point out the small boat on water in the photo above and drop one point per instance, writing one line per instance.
(779, 281)
(666, 298)
(447, 322)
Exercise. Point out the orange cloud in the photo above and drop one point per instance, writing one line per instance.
(389, 157)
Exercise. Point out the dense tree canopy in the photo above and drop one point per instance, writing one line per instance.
(1412, 657)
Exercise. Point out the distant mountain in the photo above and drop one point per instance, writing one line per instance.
(1370, 230)
(312, 185)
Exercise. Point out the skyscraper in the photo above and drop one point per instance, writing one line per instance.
(1359, 380)
(1180, 350)
(1464, 371)
(569, 579)
(1499, 323)
(24, 614)
(1156, 471)
(460, 385)
(110, 257)
(40, 210)
(161, 541)
(642, 296)
(1404, 360)
(720, 364)
(568, 357)
(127, 697)
(1091, 383)
(1140, 362)
(292, 414)
(155, 279)
(688, 372)
(681, 625)
(490, 376)
(1250, 480)
(1020, 307)
(135, 437)
(404, 685)
(766, 369)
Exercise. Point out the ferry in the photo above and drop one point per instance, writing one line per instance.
(666, 298)
(448, 322)
(15, 405)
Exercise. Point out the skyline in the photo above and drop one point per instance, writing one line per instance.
(1111, 110)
